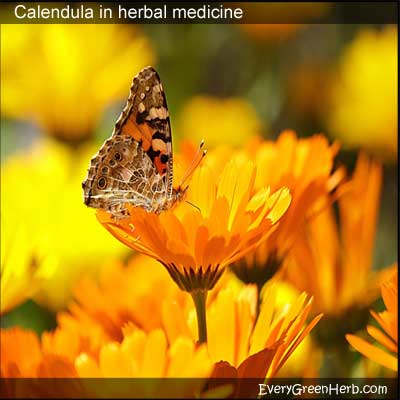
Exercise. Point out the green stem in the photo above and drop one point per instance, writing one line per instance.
(199, 298)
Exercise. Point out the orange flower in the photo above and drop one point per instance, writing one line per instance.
(277, 328)
(254, 346)
(124, 294)
(223, 218)
(139, 355)
(144, 355)
(257, 346)
(22, 356)
(305, 167)
(388, 320)
(196, 243)
(147, 355)
(326, 260)
(334, 264)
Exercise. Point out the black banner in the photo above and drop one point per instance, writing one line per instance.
(197, 12)
(152, 388)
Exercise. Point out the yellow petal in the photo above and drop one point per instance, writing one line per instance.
(86, 367)
(154, 355)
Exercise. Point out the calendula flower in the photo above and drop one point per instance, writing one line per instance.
(363, 109)
(124, 299)
(122, 294)
(388, 321)
(44, 192)
(308, 86)
(148, 355)
(195, 244)
(306, 359)
(24, 266)
(22, 356)
(333, 263)
(229, 121)
(277, 328)
(255, 345)
(305, 166)
(139, 355)
(144, 355)
(70, 90)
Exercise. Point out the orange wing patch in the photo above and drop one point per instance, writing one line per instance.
(141, 133)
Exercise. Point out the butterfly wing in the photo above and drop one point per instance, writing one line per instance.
(135, 164)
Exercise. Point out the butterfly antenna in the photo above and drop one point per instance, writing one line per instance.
(195, 163)
(193, 205)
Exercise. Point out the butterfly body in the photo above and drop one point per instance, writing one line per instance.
(134, 166)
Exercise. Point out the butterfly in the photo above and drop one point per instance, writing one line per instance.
(135, 165)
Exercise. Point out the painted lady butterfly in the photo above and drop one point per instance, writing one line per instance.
(134, 166)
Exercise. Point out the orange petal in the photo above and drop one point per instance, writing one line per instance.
(372, 352)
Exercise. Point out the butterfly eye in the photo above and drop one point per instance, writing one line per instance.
(101, 184)
(118, 156)
(104, 170)
(112, 163)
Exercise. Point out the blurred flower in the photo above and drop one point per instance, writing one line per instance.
(22, 356)
(124, 295)
(256, 346)
(308, 88)
(24, 267)
(144, 355)
(139, 355)
(305, 166)
(388, 321)
(15, 345)
(124, 300)
(70, 89)
(44, 191)
(325, 260)
(229, 121)
(364, 95)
